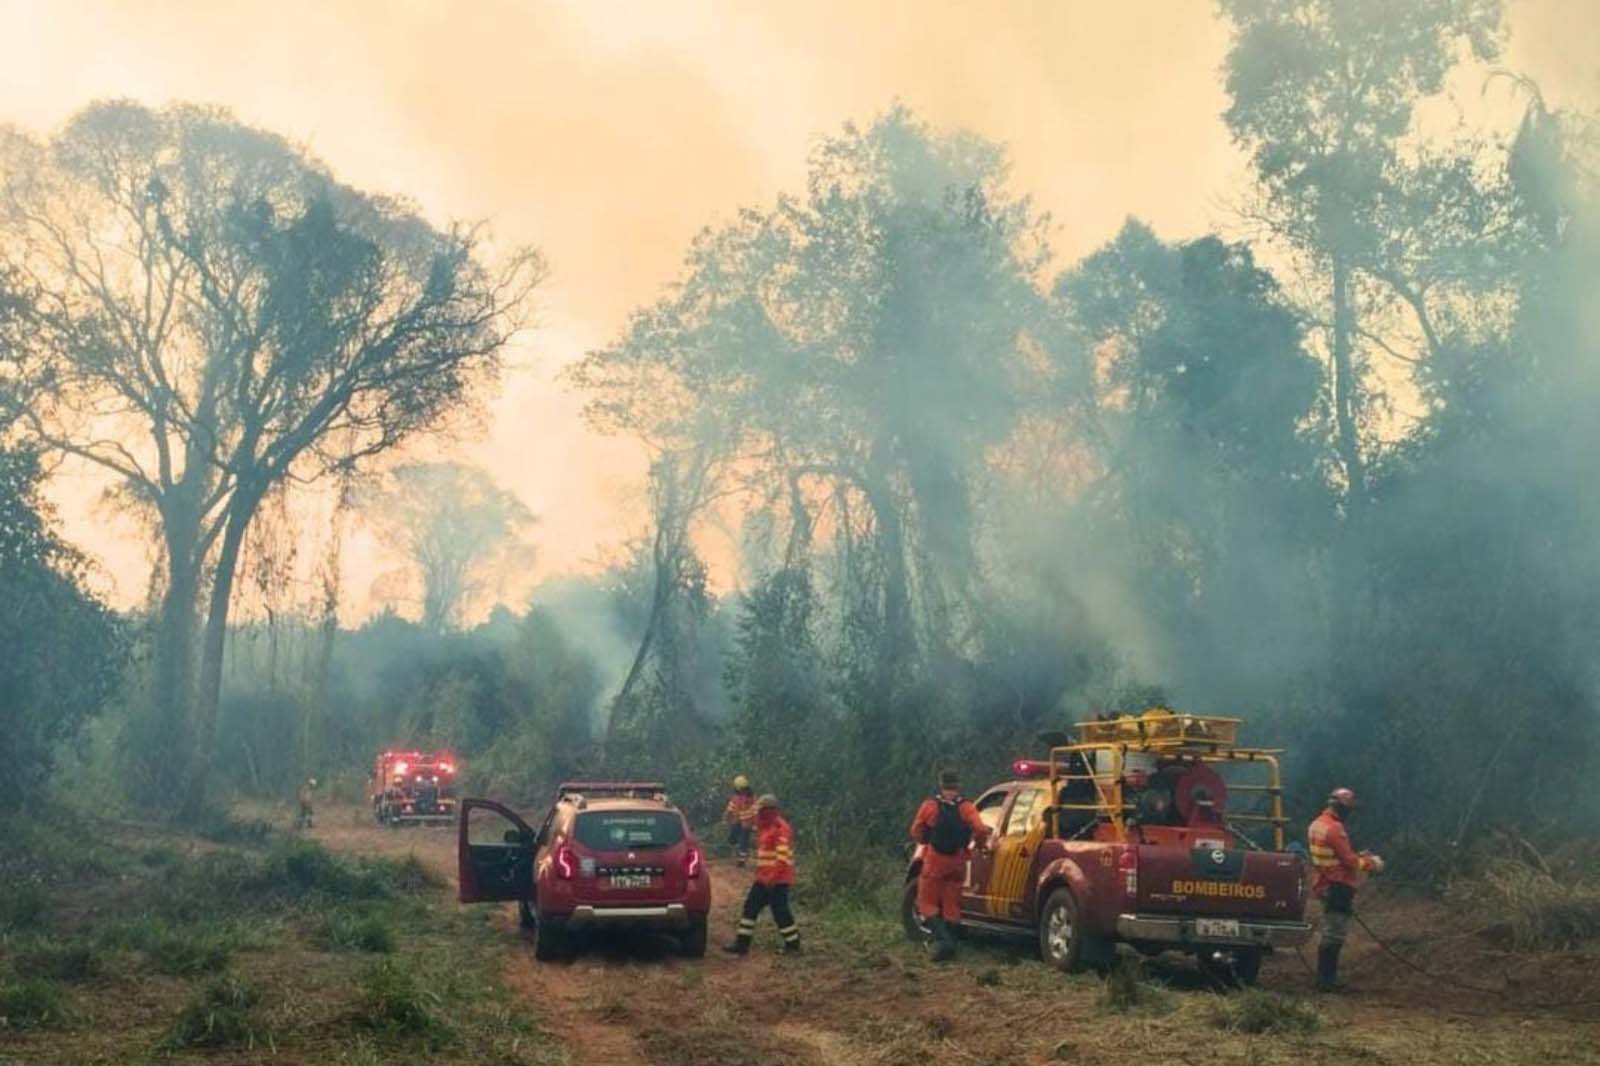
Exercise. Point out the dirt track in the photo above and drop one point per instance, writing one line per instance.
(870, 1002)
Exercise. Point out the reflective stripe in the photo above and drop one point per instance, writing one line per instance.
(746, 923)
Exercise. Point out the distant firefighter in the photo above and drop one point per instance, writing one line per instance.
(306, 791)
(740, 814)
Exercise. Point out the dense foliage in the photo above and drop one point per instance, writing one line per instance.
(63, 650)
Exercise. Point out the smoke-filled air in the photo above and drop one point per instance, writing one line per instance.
(697, 421)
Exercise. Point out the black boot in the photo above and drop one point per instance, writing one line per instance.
(740, 945)
(1328, 968)
(942, 948)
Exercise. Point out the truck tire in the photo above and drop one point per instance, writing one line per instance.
(549, 940)
(1061, 937)
(1247, 966)
(692, 944)
(917, 930)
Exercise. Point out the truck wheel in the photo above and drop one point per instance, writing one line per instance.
(1061, 939)
(692, 945)
(549, 940)
(916, 928)
(1247, 966)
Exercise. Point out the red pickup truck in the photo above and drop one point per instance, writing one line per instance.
(1128, 835)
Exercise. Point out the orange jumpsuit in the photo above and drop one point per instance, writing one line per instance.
(939, 883)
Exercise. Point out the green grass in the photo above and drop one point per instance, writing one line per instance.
(224, 1014)
(392, 1000)
(271, 945)
(23, 908)
(188, 953)
(73, 961)
(343, 930)
(31, 1003)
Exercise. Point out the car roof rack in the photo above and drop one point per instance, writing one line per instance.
(580, 792)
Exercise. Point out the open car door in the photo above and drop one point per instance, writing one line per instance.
(491, 869)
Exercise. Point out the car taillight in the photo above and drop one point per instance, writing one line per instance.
(566, 863)
(1128, 869)
(692, 862)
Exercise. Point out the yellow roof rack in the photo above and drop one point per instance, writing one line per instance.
(1160, 728)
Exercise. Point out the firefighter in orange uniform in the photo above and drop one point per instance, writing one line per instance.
(740, 814)
(774, 876)
(1340, 869)
(944, 825)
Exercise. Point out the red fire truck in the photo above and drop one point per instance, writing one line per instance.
(414, 788)
(1157, 830)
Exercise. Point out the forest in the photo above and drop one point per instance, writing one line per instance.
(1330, 468)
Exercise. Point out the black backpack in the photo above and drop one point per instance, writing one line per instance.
(950, 832)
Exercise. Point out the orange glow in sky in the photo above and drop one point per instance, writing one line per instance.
(607, 133)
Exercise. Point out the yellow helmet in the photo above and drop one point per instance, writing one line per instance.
(740, 781)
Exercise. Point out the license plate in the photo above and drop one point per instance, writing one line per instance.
(1218, 927)
(630, 880)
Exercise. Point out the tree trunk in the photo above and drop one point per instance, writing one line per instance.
(1345, 568)
(1344, 395)
(208, 698)
(163, 748)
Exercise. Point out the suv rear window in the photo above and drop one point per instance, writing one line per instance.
(612, 830)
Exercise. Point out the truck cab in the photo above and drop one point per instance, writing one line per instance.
(1155, 830)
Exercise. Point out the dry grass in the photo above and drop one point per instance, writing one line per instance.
(1534, 908)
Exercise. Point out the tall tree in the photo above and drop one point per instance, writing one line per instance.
(220, 316)
(1322, 95)
(857, 349)
(1214, 489)
(459, 532)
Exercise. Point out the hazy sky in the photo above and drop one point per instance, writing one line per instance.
(608, 133)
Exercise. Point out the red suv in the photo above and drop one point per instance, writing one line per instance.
(608, 855)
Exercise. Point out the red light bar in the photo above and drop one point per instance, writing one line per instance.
(1030, 768)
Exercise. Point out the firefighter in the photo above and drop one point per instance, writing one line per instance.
(740, 814)
(1339, 868)
(305, 802)
(774, 876)
(945, 824)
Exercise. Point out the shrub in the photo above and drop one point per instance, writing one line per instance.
(343, 931)
(72, 962)
(1257, 1012)
(390, 998)
(30, 1003)
(224, 1014)
(223, 828)
(159, 856)
(24, 906)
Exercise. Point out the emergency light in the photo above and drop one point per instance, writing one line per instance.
(1030, 768)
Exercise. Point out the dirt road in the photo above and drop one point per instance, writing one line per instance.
(857, 996)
